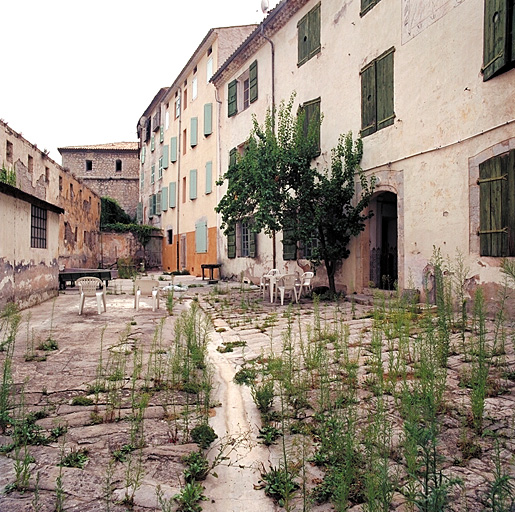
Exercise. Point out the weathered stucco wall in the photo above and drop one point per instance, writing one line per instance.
(27, 276)
(113, 246)
(40, 176)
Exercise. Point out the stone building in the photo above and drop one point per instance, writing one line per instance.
(429, 86)
(50, 219)
(108, 169)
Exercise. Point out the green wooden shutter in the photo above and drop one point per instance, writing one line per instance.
(368, 100)
(160, 168)
(303, 40)
(193, 131)
(208, 119)
(366, 5)
(314, 31)
(232, 98)
(209, 177)
(172, 194)
(143, 151)
(157, 197)
(193, 184)
(152, 143)
(232, 157)
(231, 242)
(150, 206)
(164, 198)
(289, 245)
(139, 213)
(496, 217)
(142, 179)
(494, 38)
(173, 149)
(153, 174)
(165, 157)
(510, 202)
(252, 243)
(253, 81)
(312, 115)
(161, 133)
(384, 81)
(201, 236)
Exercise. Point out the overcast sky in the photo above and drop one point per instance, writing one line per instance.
(77, 73)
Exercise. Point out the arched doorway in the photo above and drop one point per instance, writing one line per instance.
(383, 241)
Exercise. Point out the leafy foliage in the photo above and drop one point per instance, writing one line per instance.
(275, 187)
(8, 176)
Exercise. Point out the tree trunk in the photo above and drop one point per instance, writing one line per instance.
(330, 268)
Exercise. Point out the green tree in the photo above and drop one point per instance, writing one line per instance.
(275, 186)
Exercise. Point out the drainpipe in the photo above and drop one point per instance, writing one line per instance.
(178, 187)
(272, 49)
(218, 165)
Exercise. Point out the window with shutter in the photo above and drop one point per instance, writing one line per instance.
(253, 81)
(157, 198)
(252, 244)
(498, 38)
(377, 98)
(193, 131)
(152, 143)
(497, 206)
(150, 206)
(161, 133)
(142, 179)
(165, 157)
(208, 119)
(193, 184)
(164, 198)
(232, 157)
(172, 193)
(143, 151)
(160, 168)
(173, 149)
(232, 98)
(209, 177)
(308, 35)
(289, 245)
(231, 242)
(366, 5)
(201, 237)
(139, 213)
(311, 111)
(152, 174)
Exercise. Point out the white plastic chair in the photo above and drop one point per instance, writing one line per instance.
(91, 287)
(287, 285)
(147, 288)
(264, 282)
(305, 282)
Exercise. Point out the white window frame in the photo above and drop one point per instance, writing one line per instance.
(209, 69)
(194, 88)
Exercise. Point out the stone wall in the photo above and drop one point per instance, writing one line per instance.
(110, 170)
(114, 246)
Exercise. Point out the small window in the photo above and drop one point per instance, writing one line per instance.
(60, 185)
(308, 34)
(246, 101)
(209, 51)
(38, 227)
(9, 151)
(177, 107)
(47, 174)
(184, 141)
(194, 88)
(118, 166)
(209, 69)
(184, 189)
(169, 236)
(185, 103)
(30, 163)
(89, 165)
